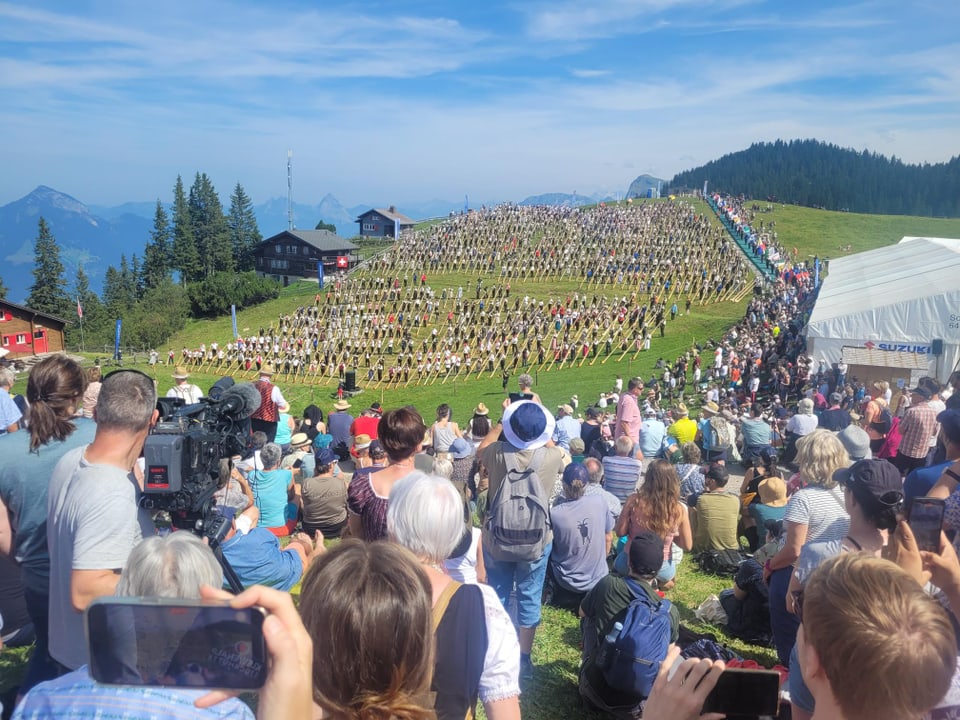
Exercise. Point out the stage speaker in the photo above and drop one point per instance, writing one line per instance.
(936, 346)
(350, 384)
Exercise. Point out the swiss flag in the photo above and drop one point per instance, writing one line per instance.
(343, 261)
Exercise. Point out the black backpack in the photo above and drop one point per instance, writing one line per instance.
(884, 422)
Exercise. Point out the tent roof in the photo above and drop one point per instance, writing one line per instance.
(913, 269)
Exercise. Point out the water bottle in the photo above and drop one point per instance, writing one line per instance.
(605, 653)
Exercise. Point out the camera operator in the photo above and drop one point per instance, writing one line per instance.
(93, 518)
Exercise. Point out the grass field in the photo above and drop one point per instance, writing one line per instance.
(554, 694)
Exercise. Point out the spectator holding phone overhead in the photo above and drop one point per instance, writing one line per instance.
(175, 566)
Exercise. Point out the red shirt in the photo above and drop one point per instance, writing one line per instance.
(364, 425)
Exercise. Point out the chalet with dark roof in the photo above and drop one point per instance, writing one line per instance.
(294, 254)
(25, 331)
(381, 222)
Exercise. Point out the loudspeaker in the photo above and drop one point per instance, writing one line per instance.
(351, 381)
(936, 346)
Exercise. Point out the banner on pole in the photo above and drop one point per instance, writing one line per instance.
(233, 317)
(320, 273)
(116, 340)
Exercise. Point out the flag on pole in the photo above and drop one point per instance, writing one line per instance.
(343, 262)
(320, 273)
(79, 308)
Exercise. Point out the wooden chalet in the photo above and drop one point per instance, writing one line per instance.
(380, 222)
(25, 331)
(294, 254)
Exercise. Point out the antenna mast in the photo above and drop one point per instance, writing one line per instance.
(289, 189)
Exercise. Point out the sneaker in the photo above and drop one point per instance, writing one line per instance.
(526, 669)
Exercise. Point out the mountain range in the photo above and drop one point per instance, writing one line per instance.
(95, 236)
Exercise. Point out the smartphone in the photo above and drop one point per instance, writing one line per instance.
(926, 520)
(745, 692)
(173, 642)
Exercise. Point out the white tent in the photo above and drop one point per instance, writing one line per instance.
(900, 298)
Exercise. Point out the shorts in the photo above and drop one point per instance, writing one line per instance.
(528, 577)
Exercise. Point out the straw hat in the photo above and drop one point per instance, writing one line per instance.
(180, 373)
(481, 409)
(361, 441)
(299, 440)
(773, 491)
(266, 369)
(341, 405)
(710, 409)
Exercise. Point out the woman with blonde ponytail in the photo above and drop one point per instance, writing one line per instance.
(27, 459)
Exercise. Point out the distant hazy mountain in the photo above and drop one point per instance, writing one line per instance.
(567, 199)
(640, 186)
(84, 238)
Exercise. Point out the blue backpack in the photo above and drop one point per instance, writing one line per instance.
(641, 646)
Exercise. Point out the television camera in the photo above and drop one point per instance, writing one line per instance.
(187, 459)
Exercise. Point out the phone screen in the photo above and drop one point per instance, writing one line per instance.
(745, 692)
(926, 519)
(146, 641)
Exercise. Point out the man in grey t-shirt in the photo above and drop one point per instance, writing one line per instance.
(93, 518)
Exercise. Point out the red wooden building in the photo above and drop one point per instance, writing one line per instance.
(25, 332)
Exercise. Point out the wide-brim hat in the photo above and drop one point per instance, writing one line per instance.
(773, 491)
(180, 373)
(568, 409)
(266, 369)
(299, 440)
(682, 410)
(710, 408)
(921, 390)
(361, 441)
(527, 425)
(341, 405)
(460, 449)
(481, 409)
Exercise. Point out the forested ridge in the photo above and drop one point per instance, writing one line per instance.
(819, 174)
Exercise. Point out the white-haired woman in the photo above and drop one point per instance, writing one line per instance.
(175, 566)
(815, 513)
(473, 660)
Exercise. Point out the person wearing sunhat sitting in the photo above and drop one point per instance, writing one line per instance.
(186, 391)
(338, 425)
(266, 416)
(300, 458)
(359, 454)
(479, 425)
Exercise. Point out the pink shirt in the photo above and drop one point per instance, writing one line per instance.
(628, 412)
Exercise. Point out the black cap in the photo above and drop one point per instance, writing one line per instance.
(646, 554)
(874, 478)
(950, 424)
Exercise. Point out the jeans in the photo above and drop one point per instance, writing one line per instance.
(667, 572)
(528, 577)
(783, 623)
(41, 667)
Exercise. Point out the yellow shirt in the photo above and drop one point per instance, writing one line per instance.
(684, 430)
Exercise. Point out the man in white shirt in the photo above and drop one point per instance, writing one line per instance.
(186, 391)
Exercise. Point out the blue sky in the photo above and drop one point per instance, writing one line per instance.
(394, 101)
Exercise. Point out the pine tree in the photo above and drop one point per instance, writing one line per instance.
(210, 231)
(185, 257)
(3, 289)
(49, 290)
(244, 233)
(94, 319)
(157, 254)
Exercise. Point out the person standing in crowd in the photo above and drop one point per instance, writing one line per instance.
(527, 428)
(93, 516)
(266, 416)
(339, 423)
(182, 389)
(27, 460)
(918, 425)
(92, 392)
(628, 412)
(10, 414)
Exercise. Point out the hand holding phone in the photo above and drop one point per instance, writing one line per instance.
(745, 692)
(926, 522)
